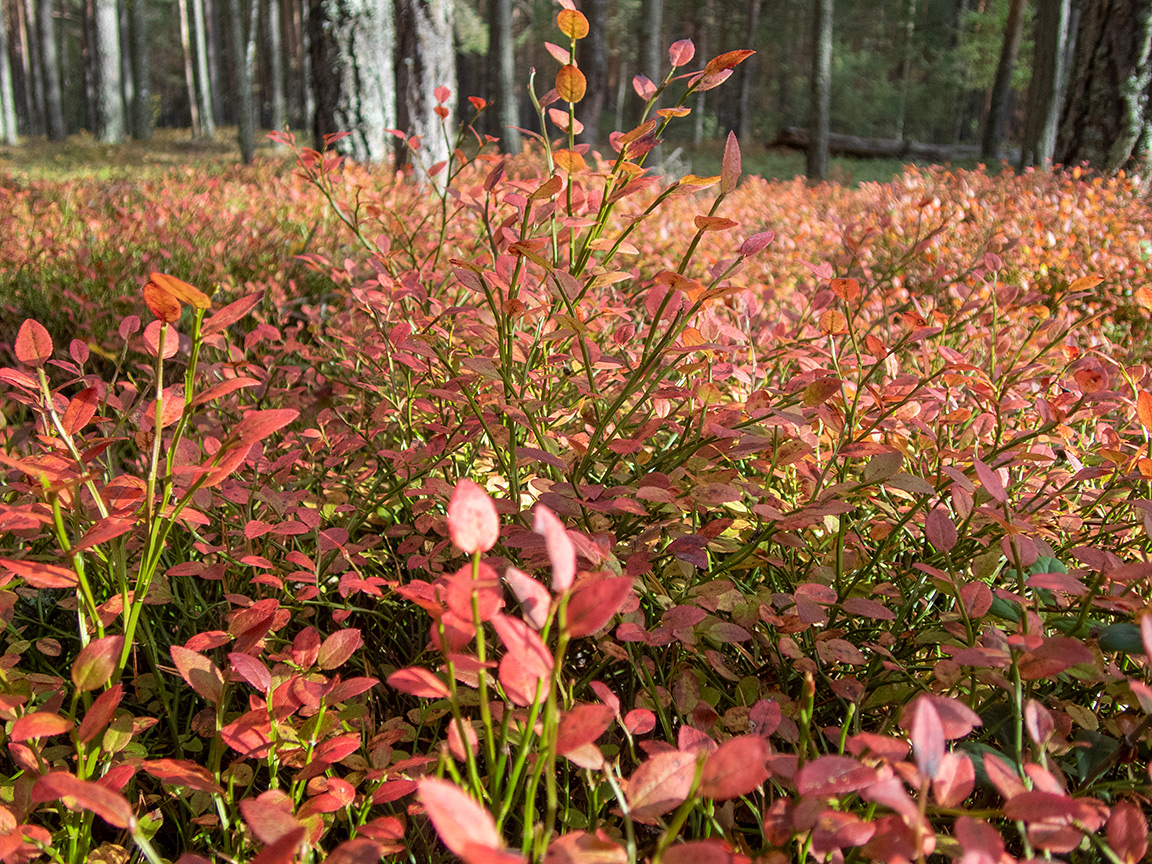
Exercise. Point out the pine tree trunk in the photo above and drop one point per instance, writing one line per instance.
(141, 72)
(702, 27)
(1046, 89)
(109, 96)
(351, 50)
(32, 83)
(276, 64)
(1106, 119)
(127, 83)
(998, 106)
(243, 55)
(820, 122)
(502, 59)
(7, 93)
(203, 79)
(905, 67)
(748, 74)
(431, 63)
(53, 98)
(307, 79)
(593, 59)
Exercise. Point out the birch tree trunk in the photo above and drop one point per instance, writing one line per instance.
(276, 64)
(33, 82)
(351, 50)
(431, 64)
(651, 39)
(189, 74)
(820, 124)
(109, 96)
(594, 61)
(53, 99)
(127, 81)
(203, 79)
(748, 74)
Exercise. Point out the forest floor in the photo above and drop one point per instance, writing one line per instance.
(83, 156)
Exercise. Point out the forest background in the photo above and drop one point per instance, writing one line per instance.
(1055, 79)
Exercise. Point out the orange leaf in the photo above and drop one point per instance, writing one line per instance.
(726, 61)
(1144, 409)
(572, 23)
(571, 83)
(33, 344)
(181, 290)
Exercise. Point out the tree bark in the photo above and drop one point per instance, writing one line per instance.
(189, 73)
(127, 81)
(905, 67)
(1106, 119)
(141, 73)
(430, 61)
(820, 121)
(243, 55)
(998, 106)
(31, 82)
(7, 93)
(702, 27)
(351, 53)
(276, 65)
(203, 77)
(651, 39)
(748, 74)
(53, 98)
(109, 96)
(502, 60)
(1046, 89)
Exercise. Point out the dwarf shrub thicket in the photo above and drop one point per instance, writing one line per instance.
(578, 514)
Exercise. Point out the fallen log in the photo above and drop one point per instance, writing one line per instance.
(796, 138)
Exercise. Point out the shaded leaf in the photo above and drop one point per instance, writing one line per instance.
(661, 783)
(105, 803)
(737, 767)
(200, 673)
(96, 662)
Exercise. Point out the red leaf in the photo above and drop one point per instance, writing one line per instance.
(662, 783)
(730, 165)
(582, 725)
(33, 343)
(418, 682)
(702, 852)
(982, 844)
(103, 531)
(458, 818)
(270, 817)
(644, 88)
(1128, 832)
(525, 645)
(580, 847)
(521, 686)
(639, 721)
(163, 305)
(726, 61)
(990, 480)
(829, 776)
(1035, 806)
(681, 52)
(100, 714)
(534, 597)
(956, 718)
(39, 724)
(80, 411)
(258, 425)
(358, 850)
(284, 849)
(940, 530)
(181, 772)
(108, 805)
(737, 767)
(927, 738)
(199, 672)
(231, 313)
(442, 94)
(251, 670)
(593, 604)
(755, 243)
(1053, 657)
(96, 662)
(40, 575)
(561, 552)
(472, 520)
(955, 781)
(338, 648)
